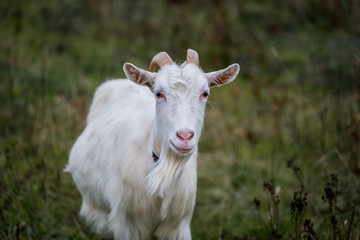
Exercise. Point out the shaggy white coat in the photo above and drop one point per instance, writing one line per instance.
(125, 194)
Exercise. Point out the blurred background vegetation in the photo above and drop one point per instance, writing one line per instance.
(279, 156)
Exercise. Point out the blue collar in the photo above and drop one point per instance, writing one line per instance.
(154, 157)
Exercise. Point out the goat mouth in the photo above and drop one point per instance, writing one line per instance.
(181, 150)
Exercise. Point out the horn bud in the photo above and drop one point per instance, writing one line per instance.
(192, 57)
(161, 59)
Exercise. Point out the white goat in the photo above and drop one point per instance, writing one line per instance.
(135, 162)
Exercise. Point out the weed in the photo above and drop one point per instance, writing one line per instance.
(272, 228)
(309, 232)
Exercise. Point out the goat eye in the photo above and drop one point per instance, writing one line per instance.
(205, 94)
(159, 95)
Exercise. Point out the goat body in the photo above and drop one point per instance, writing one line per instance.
(126, 195)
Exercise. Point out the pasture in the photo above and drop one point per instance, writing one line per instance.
(280, 150)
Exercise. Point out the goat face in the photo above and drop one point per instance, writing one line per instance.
(181, 93)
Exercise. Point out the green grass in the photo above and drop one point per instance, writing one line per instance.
(297, 99)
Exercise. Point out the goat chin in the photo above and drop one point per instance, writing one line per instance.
(165, 175)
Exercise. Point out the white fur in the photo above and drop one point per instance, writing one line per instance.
(125, 194)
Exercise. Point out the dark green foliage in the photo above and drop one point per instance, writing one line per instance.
(286, 133)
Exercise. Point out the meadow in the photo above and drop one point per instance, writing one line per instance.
(280, 150)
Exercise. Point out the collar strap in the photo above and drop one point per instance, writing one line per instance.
(154, 157)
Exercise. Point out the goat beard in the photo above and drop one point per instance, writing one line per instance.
(165, 176)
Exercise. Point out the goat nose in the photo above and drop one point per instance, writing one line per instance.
(185, 135)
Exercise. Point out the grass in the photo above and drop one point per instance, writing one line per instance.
(261, 152)
(285, 133)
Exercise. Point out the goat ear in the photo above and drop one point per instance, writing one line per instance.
(139, 75)
(223, 76)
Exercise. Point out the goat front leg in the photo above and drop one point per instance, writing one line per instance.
(123, 230)
(168, 232)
